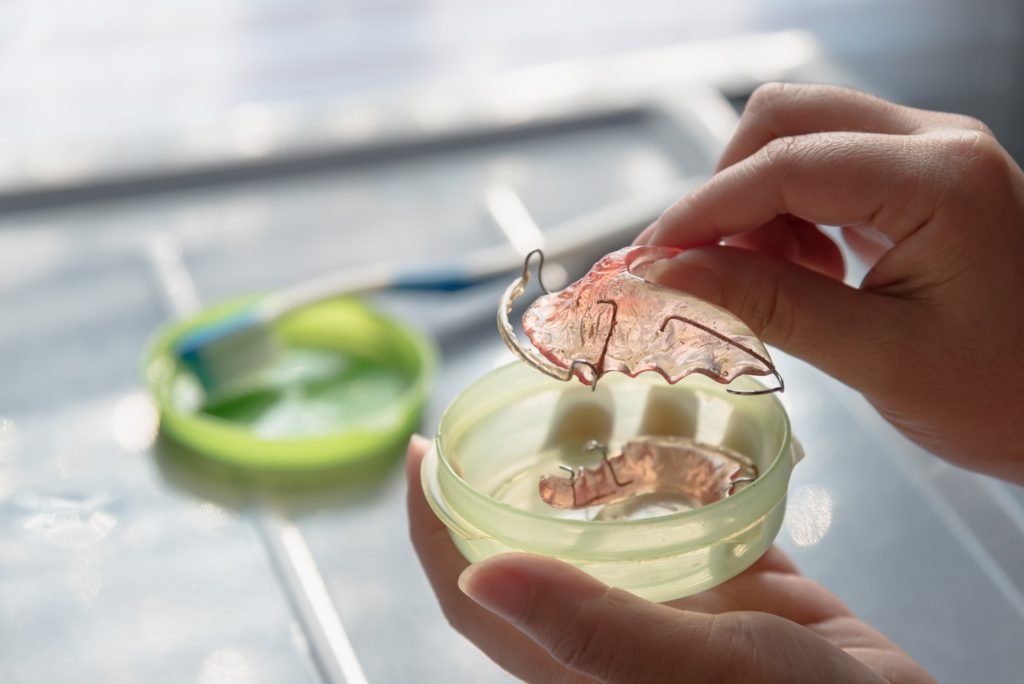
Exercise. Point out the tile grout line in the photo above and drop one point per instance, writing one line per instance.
(291, 557)
(949, 516)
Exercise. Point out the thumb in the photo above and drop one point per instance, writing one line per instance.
(599, 631)
(853, 335)
(611, 635)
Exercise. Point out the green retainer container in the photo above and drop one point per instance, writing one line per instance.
(361, 395)
(515, 425)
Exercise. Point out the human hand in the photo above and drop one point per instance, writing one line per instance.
(934, 335)
(543, 620)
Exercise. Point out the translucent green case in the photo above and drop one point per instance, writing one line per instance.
(515, 425)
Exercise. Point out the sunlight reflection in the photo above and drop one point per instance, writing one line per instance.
(68, 522)
(135, 422)
(808, 515)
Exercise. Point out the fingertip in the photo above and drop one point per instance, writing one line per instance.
(501, 584)
(512, 561)
(417, 448)
(479, 573)
(546, 575)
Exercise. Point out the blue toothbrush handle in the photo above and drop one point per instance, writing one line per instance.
(444, 279)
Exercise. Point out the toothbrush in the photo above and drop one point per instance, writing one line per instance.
(225, 352)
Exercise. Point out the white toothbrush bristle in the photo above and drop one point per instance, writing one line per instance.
(230, 361)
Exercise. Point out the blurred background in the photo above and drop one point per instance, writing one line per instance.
(159, 156)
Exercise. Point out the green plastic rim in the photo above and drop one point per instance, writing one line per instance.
(345, 325)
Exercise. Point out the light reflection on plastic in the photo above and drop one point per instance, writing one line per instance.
(84, 576)
(808, 514)
(135, 422)
(225, 666)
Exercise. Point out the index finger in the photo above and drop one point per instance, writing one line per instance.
(777, 110)
(888, 181)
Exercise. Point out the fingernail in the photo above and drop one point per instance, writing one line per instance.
(689, 272)
(499, 591)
